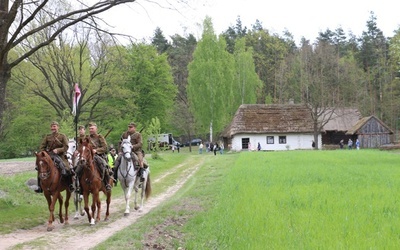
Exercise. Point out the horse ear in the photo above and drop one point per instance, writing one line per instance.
(129, 138)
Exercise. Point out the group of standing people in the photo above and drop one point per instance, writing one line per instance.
(212, 147)
(56, 144)
(349, 144)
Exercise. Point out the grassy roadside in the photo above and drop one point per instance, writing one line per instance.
(279, 200)
(164, 226)
(21, 208)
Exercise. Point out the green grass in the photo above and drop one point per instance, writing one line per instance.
(304, 200)
(22, 208)
(256, 200)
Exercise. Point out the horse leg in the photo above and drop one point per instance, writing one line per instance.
(86, 201)
(51, 201)
(142, 195)
(60, 202)
(108, 200)
(81, 210)
(51, 214)
(95, 198)
(66, 206)
(127, 192)
(76, 200)
(98, 205)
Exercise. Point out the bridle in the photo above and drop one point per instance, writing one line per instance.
(86, 163)
(43, 175)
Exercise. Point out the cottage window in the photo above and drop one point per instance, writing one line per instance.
(270, 140)
(282, 139)
(245, 143)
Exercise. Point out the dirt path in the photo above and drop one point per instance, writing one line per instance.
(78, 232)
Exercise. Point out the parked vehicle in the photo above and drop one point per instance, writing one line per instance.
(194, 142)
(165, 141)
(176, 143)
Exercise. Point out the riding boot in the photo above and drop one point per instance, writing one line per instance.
(39, 189)
(71, 185)
(115, 175)
(140, 173)
(107, 182)
(63, 170)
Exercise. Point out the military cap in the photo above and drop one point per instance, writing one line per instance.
(81, 127)
(92, 124)
(54, 123)
(132, 124)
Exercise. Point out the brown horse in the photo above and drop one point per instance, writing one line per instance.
(52, 185)
(91, 182)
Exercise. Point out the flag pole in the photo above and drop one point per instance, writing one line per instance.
(75, 110)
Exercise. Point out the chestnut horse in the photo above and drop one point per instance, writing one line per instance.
(91, 182)
(52, 185)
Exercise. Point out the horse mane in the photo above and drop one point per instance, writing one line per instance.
(43, 155)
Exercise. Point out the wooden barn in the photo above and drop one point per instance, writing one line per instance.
(340, 121)
(371, 132)
(275, 127)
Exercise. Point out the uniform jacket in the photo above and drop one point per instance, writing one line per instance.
(99, 143)
(55, 141)
(136, 140)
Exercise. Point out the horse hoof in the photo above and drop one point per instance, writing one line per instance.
(126, 214)
(83, 213)
(137, 208)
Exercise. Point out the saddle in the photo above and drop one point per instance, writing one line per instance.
(59, 164)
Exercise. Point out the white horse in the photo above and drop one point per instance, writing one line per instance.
(72, 163)
(126, 172)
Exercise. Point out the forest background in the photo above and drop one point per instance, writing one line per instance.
(184, 86)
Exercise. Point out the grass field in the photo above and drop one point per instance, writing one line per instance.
(269, 200)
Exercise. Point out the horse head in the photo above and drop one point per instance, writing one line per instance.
(85, 152)
(44, 164)
(126, 148)
(70, 152)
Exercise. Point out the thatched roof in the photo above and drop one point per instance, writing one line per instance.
(356, 128)
(342, 119)
(274, 118)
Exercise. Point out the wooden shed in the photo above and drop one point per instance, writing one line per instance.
(340, 121)
(371, 132)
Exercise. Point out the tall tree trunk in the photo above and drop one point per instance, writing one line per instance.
(5, 74)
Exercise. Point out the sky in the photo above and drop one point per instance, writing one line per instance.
(304, 18)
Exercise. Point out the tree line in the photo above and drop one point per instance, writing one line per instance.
(191, 86)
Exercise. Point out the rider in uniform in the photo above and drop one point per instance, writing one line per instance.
(99, 144)
(136, 141)
(81, 135)
(56, 144)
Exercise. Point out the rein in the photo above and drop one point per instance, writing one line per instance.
(44, 175)
(129, 166)
(87, 166)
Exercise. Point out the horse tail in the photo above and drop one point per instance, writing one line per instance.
(147, 191)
